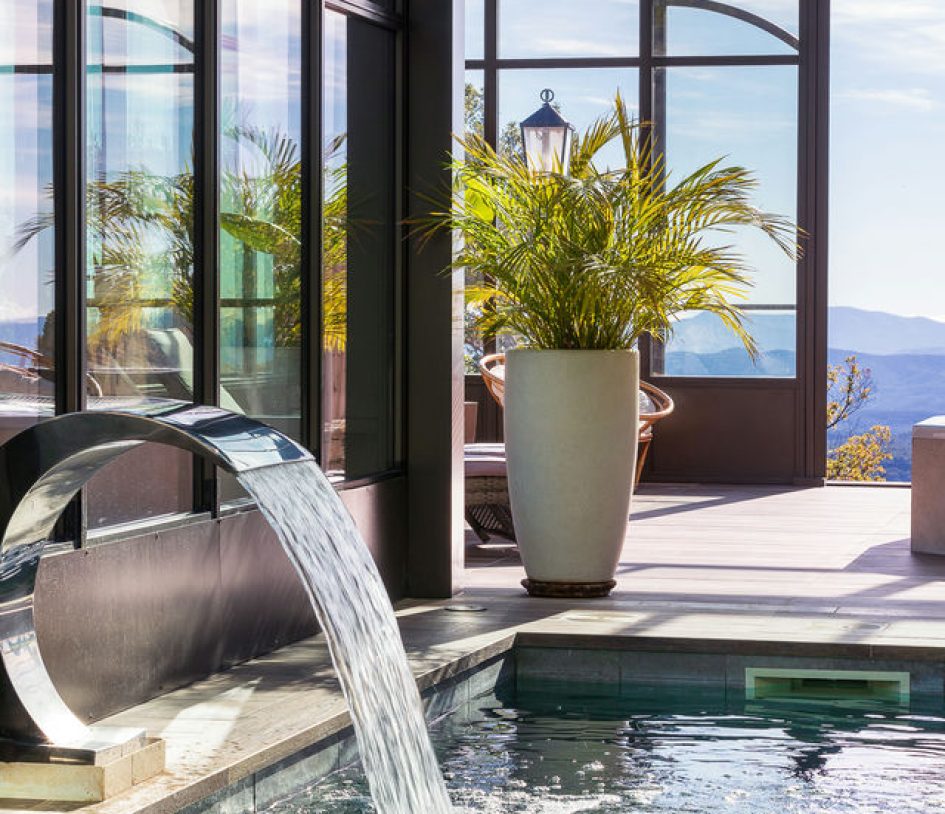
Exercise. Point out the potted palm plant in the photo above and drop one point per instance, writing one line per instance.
(582, 263)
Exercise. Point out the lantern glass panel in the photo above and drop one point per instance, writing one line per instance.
(546, 148)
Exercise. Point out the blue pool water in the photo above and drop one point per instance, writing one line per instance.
(673, 752)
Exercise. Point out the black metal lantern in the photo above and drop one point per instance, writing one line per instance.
(546, 138)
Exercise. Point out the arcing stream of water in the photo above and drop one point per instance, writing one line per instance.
(353, 609)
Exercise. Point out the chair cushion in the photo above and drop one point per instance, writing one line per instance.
(484, 460)
(647, 405)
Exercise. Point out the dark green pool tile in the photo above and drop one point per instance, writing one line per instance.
(704, 670)
(348, 750)
(290, 776)
(494, 676)
(538, 669)
(443, 700)
(236, 799)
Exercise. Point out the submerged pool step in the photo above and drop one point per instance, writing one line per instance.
(780, 684)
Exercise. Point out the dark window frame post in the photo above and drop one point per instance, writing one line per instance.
(311, 262)
(206, 234)
(69, 94)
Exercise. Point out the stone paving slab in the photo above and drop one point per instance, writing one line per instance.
(835, 580)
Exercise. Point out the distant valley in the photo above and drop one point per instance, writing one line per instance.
(905, 354)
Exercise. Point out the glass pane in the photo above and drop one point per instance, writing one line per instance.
(539, 28)
(474, 103)
(474, 109)
(748, 116)
(475, 29)
(260, 201)
(703, 346)
(139, 250)
(162, 32)
(27, 252)
(581, 95)
(750, 27)
(358, 243)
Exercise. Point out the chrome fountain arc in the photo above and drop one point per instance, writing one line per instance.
(41, 469)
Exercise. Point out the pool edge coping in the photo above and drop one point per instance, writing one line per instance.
(466, 658)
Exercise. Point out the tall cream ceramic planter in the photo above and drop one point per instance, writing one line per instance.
(571, 428)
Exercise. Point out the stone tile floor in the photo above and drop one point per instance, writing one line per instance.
(719, 569)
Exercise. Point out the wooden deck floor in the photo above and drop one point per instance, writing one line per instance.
(838, 549)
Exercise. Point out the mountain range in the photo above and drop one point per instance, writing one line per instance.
(906, 357)
(881, 334)
(872, 332)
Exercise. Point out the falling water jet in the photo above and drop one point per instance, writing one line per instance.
(43, 467)
(351, 603)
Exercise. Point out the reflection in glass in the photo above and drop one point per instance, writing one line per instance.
(592, 28)
(261, 211)
(261, 215)
(139, 291)
(749, 117)
(752, 27)
(27, 244)
(358, 240)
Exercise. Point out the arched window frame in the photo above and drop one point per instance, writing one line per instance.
(811, 57)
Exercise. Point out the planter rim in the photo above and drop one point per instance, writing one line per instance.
(573, 350)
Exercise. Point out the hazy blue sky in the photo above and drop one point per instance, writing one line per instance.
(887, 160)
(888, 123)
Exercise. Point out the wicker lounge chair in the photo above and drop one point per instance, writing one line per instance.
(487, 498)
(487, 492)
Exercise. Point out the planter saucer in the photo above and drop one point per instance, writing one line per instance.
(569, 590)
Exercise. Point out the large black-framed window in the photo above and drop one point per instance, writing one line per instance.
(163, 215)
(734, 422)
(361, 258)
(714, 79)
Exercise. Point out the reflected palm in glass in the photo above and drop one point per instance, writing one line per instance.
(27, 369)
(267, 219)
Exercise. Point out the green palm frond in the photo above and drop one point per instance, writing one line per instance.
(599, 257)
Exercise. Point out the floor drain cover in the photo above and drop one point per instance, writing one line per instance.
(465, 608)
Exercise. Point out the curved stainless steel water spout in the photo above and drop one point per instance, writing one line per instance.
(41, 469)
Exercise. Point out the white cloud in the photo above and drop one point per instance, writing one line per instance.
(606, 102)
(568, 46)
(15, 312)
(906, 36)
(871, 11)
(919, 100)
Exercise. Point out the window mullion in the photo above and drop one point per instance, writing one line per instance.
(69, 196)
(206, 233)
(312, 191)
